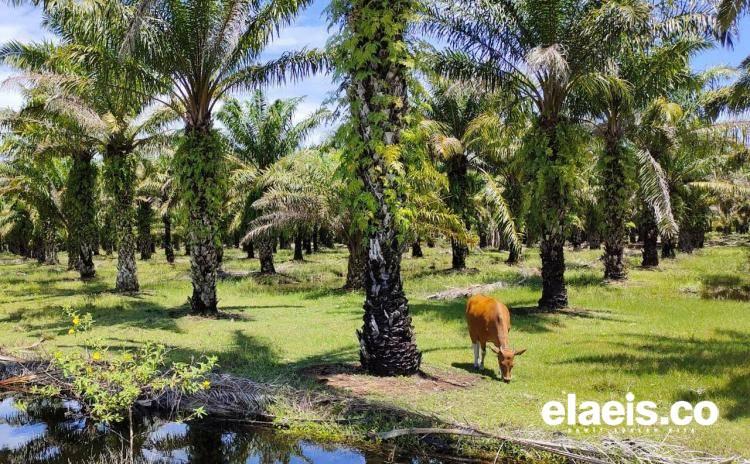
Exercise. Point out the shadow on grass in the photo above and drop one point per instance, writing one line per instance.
(133, 313)
(723, 356)
(95, 286)
(484, 372)
(725, 287)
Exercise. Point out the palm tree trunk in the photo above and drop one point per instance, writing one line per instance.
(199, 169)
(284, 241)
(127, 271)
(594, 240)
(49, 243)
(686, 240)
(387, 345)
(576, 238)
(145, 214)
(86, 266)
(516, 197)
(554, 292)
(326, 238)
(458, 183)
(298, 256)
(551, 245)
(459, 252)
(71, 247)
(615, 206)
(81, 210)
(416, 249)
(167, 243)
(355, 271)
(668, 248)
(378, 102)
(119, 170)
(265, 254)
(247, 247)
(649, 235)
(513, 257)
(482, 238)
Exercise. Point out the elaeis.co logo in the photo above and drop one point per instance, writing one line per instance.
(614, 413)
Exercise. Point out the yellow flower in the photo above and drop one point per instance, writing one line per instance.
(206, 384)
(96, 356)
(76, 320)
(71, 331)
(89, 370)
(127, 357)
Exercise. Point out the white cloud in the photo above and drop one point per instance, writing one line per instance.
(296, 37)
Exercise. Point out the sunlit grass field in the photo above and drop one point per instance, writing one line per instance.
(679, 332)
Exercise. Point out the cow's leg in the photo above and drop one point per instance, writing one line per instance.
(481, 357)
(475, 346)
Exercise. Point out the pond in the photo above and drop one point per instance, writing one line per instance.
(43, 431)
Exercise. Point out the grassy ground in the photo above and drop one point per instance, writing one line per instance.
(680, 332)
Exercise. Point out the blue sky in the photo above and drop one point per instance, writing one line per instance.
(309, 30)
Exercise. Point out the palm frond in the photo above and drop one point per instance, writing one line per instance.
(656, 193)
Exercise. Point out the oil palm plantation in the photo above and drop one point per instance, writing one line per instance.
(553, 54)
(53, 132)
(260, 133)
(201, 51)
(96, 84)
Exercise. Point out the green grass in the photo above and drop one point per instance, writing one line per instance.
(680, 332)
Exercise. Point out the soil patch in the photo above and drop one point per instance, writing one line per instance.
(351, 378)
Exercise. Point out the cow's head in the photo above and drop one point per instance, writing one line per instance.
(505, 357)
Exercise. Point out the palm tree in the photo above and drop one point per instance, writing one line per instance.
(451, 109)
(496, 136)
(552, 54)
(166, 201)
(372, 58)
(702, 170)
(16, 226)
(653, 136)
(39, 184)
(200, 51)
(261, 133)
(300, 193)
(653, 70)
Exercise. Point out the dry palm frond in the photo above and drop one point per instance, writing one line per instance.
(495, 210)
(656, 193)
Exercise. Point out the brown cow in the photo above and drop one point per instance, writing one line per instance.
(489, 321)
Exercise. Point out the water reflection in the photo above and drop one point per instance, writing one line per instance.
(47, 432)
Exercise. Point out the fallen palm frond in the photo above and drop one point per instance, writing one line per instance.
(453, 293)
(608, 451)
(228, 396)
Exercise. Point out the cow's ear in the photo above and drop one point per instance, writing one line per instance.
(520, 352)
